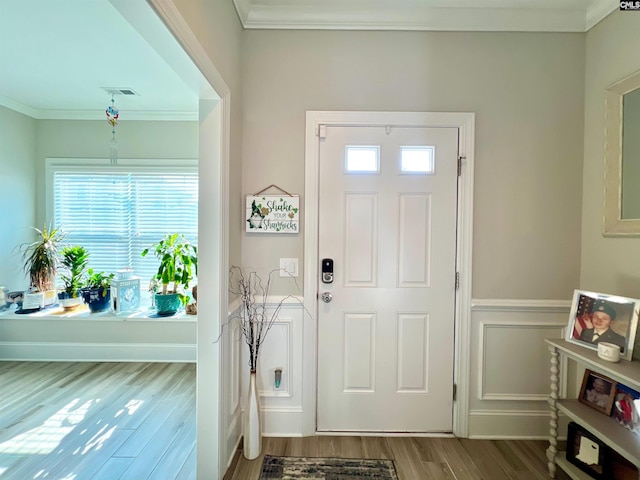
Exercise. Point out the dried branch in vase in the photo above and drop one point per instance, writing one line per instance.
(257, 314)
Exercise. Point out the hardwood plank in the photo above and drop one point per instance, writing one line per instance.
(177, 452)
(408, 464)
(176, 430)
(88, 455)
(376, 447)
(112, 468)
(438, 471)
(188, 470)
(453, 453)
(486, 458)
(531, 453)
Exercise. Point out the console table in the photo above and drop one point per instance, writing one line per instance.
(625, 442)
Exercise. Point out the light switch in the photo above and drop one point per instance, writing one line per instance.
(288, 267)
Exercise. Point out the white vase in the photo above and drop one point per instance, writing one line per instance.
(252, 430)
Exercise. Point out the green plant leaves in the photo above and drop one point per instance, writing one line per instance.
(178, 262)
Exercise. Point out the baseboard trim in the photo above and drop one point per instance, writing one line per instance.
(233, 460)
(282, 422)
(97, 352)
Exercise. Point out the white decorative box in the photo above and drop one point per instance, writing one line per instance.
(125, 294)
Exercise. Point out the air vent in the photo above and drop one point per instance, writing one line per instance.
(120, 91)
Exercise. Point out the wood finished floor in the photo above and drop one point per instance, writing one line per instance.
(136, 421)
(416, 458)
(97, 421)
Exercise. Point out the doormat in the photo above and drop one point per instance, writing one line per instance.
(294, 468)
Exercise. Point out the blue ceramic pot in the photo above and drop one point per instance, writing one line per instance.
(168, 304)
(98, 299)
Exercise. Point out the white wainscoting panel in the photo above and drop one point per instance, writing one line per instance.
(276, 353)
(282, 413)
(231, 416)
(510, 366)
(507, 352)
(516, 424)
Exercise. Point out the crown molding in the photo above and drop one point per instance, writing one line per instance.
(416, 16)
(132, 115)
(17, 106)
(598, 10)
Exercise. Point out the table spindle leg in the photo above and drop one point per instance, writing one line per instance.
(552, 451)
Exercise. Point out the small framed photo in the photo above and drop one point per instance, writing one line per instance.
(626, 408)
(599, 317)
(586, 452)
(597, 391)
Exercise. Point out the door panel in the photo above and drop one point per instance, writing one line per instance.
(385, 341)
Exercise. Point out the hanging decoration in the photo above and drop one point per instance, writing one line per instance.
(112, 117)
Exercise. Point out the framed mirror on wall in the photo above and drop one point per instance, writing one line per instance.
(622, 158)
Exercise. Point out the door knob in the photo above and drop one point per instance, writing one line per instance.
(327, 297)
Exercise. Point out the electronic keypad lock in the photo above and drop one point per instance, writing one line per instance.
(327, 270)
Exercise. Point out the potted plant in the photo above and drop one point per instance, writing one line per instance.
(178, 267)
(97, 290)
(74, 261)
(41, 259)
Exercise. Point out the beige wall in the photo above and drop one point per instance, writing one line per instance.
(609, 264)
(17, 194)
(526, 90)
(218, 29)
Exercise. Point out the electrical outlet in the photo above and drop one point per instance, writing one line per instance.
(288, 267)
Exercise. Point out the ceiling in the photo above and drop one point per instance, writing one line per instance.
(64, 56)
(61, 57)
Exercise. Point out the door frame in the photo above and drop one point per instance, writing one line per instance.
(465, 123)
(215, 438)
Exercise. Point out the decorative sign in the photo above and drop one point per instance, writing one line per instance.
(272, 213)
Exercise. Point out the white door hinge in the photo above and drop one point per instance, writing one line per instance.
(455, 392)
(457, 280)
(460, 158)
(322, 132)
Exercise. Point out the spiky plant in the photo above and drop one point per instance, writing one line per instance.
(42, 257)
(74, 260)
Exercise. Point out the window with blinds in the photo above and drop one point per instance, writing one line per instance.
(117, 214)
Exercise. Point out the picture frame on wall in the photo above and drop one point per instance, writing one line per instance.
(599, 317)
(275, 214)
(626, 408)
(587, 452)
(598, 391)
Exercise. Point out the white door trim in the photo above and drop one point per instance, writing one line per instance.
(465, 122)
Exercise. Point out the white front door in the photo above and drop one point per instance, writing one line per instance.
(387, 219)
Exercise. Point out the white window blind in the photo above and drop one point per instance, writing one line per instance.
(117, 214)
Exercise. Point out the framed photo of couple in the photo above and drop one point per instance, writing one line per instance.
(597, 318)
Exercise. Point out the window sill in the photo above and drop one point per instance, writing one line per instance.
(83, 313)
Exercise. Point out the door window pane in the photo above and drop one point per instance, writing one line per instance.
(417, 160)
(362, 159)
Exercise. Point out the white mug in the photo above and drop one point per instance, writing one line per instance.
(609, 351)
